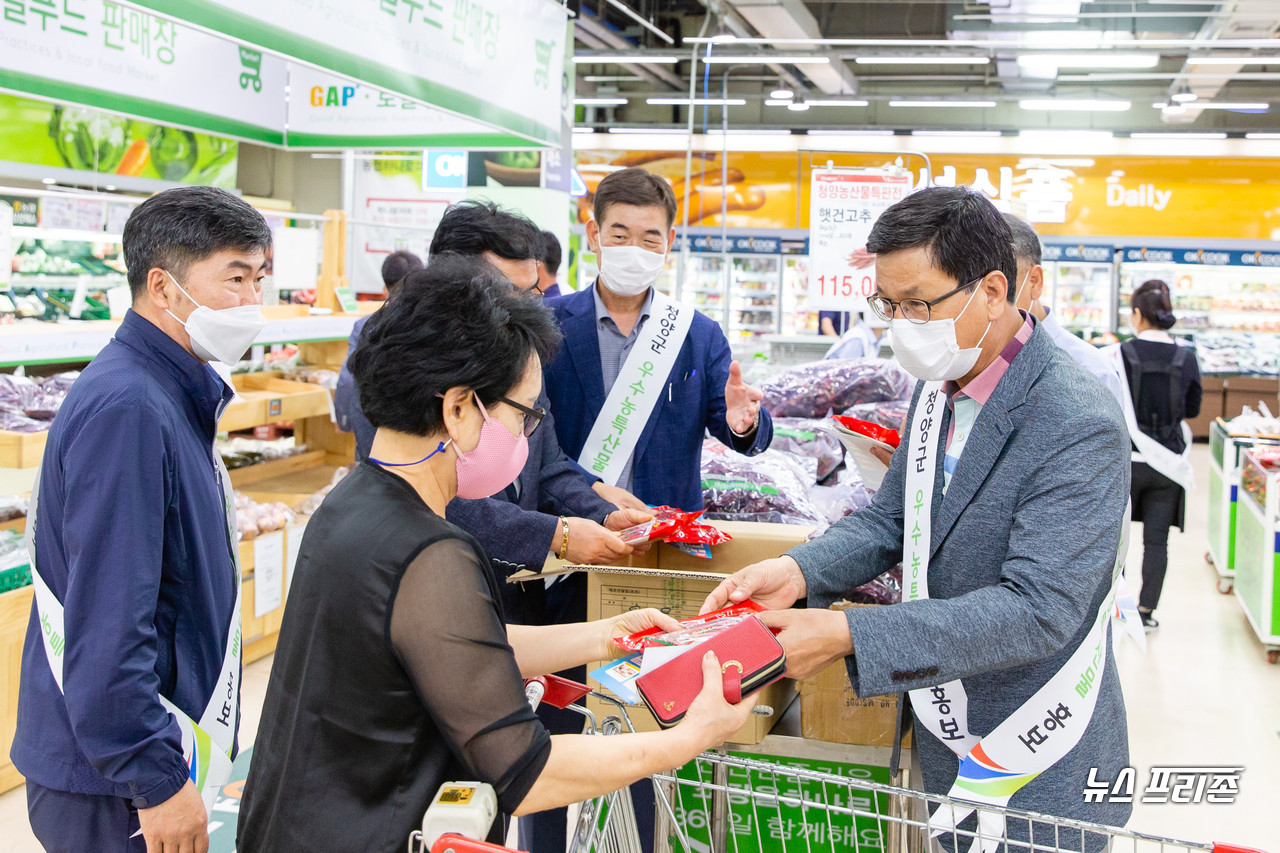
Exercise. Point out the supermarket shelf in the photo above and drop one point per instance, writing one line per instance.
(770, 327)
(264, 398)
(46, 343)
(67, 280)
(255, 475)
(300, 483)
(21, 449)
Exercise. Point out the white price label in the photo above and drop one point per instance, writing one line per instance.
(844, 205)
(268, 570)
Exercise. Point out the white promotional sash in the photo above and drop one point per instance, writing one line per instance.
(1176, 467)
(206, 746)
(1048, 725)
(637, 390)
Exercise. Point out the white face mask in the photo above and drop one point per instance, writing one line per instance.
(630, 270)
(1018, 293)
(930, 351)
(223, 335)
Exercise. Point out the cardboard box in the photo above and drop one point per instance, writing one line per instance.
(677, 583)
(831, 711)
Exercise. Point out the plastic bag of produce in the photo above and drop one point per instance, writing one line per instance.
(813, 390)
(835, 502)
(891, 414)
(886, 589)
(809, 438)
(772, 486)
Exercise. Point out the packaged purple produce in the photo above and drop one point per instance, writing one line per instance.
(835, 502)
(772, 486)
(813, 390)
(808, 437)
(891, 414)
(886, 589)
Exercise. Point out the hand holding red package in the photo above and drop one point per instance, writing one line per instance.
(750, 658)
(870, 430)
(693, 630)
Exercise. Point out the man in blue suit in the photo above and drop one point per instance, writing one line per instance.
(638, 423)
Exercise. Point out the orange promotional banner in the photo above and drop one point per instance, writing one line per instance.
(1196, 197)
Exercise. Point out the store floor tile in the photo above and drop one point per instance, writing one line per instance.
(1203, 695)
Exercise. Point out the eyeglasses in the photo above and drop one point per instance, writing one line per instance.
(532, 417)
(915, 310)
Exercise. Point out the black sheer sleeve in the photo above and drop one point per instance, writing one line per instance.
(447, 633)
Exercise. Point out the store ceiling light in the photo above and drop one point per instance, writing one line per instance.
(798, 106)
(696, 102)
(870, 132)
(1173, 109)
(941, 104)
(782, 94)
(1090, 59)
(599, 102)
(835, 103)
(1066, 136)
(584, 130)
(1262, 136)
(767, 59)
(972, 133)
(624, 59)
(778, 102)
(1067, 104)
(751, 131)
(721, 38)
(1233, 60)
(1224, 105)
(666, 131)
(48, 182)
(922, 60)
(1177, 136)
(1184, 97)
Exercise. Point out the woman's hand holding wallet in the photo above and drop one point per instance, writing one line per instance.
(710, 719)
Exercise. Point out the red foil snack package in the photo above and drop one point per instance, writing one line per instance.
(666, 522)
(692, 631)
(870, 430)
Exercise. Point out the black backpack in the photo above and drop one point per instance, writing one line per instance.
(1164, 427)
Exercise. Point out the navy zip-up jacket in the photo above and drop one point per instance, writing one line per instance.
(131, 536)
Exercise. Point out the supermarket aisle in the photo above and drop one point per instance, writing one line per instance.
(1203, 696)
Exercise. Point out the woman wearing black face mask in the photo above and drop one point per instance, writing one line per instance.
(1164, 383)
(394, 673)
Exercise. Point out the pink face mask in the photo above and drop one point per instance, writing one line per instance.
(496, 461)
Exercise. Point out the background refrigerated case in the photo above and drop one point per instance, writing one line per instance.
(797, 319)
(704, 284)
(1080, 287)
(755, 295)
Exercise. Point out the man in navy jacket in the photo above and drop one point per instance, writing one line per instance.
(132, 538)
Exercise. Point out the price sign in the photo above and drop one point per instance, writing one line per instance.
(843, 207)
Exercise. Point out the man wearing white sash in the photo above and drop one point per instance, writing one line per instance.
(640, 380)
(1006, 511)
(130, 694)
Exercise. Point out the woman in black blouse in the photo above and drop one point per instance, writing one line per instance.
(394, 671)
(1164, 382)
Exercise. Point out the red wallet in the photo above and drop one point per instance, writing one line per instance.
(750, 658)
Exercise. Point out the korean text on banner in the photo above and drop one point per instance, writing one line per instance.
(843, 205)
(456, 56)
(108, 56)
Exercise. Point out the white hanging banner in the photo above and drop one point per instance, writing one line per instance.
(843, 205)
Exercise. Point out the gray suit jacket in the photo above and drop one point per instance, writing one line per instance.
(1022, 553)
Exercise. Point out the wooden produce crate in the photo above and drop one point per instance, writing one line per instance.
(15, 612)
(21, 449)
(265, 398)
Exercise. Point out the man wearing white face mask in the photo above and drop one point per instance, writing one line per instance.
(133, 649)
(1006, 510)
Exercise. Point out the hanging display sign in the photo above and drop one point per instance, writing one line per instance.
(328, 111)
(1201, 257)
(1078, 252)
(843, 205)
(748, 244)
(111, 57)
(457, 58)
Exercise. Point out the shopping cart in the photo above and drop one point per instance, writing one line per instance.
(605, 824)
(745, 805)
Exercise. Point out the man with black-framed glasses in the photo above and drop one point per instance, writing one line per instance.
(1006, 508)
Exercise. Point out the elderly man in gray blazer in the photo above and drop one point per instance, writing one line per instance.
(1028, 503)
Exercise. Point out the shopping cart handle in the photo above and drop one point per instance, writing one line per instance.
(1235, 848)
(451, 843)
(559, 692)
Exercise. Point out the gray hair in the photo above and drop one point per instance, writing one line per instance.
(1026, 244)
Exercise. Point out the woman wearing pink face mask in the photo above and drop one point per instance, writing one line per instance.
(394, 671)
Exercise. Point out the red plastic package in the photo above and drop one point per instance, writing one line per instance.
(693, 630)
(870, 430)
(666, 522)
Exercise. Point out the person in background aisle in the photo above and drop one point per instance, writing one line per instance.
(1164, 381)
(134, 542)
(858, 342)
(1026, 248)
(1010, 442)
(551, 509)
(833, 324)
(638, 383)
(394, 672)
(549, 266)
(346, 403)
